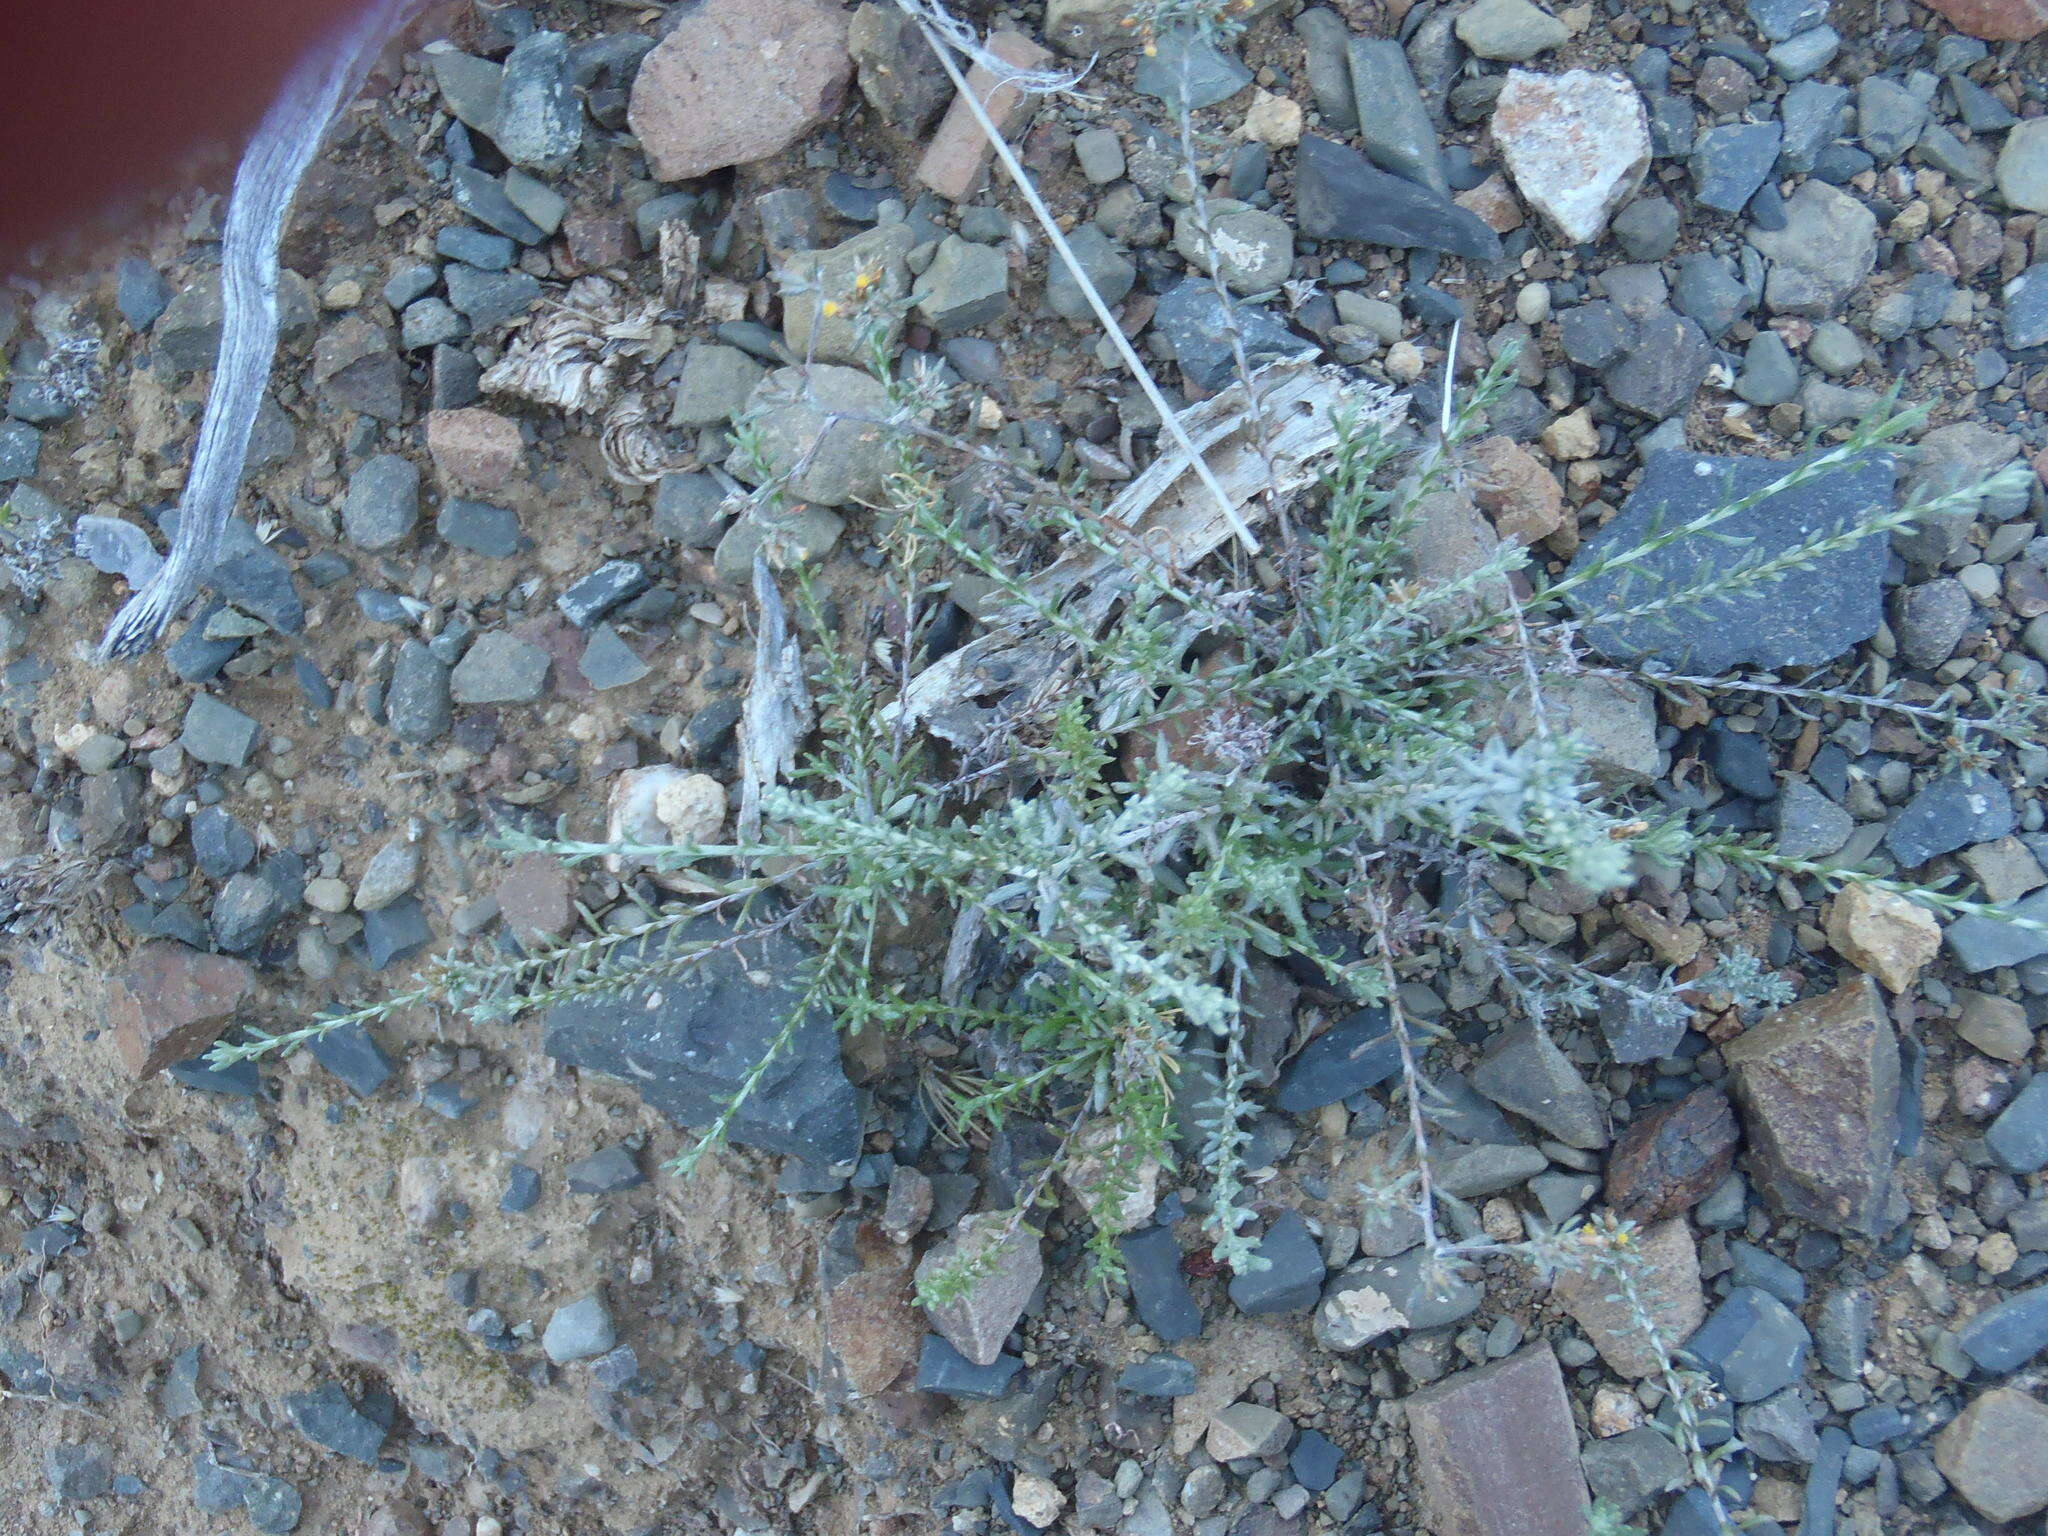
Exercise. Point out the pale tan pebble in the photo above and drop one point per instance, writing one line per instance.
(1404, 362)
(1274, 121)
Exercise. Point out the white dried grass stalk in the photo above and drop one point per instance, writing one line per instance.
(265, 183)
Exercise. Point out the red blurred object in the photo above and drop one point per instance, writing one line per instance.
(110, 101)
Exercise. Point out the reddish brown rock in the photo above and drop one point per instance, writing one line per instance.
(957, 157)
(1671, 1157)
(1980, 1088)
(1995, 1452)
(395, 1517)
(1666, 1275)
(597, 237)
(1446, 544)
(534, 898)
(999, 1260)
(172, 1003)
(909, 1204)
(1818, 1085)
(1494, 201)
(475, 449)
(871, 1318)
(1497, 1452)
(737, 81)
(1996, 21)
(1514, 489)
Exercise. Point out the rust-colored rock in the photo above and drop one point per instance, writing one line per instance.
(1671, 1157)
(1996, 21)
(1497, 1452)
(738, 81)
(394, 1517)
(1666, 1274)
(1494, 201)
(1818, 1085)
(1995, 1453)
(1514, 489)
(1446, 544)
(597, 237)
(475, 449)
(172, 1003)
(871, 1318)
(536, 899)
(957, 157)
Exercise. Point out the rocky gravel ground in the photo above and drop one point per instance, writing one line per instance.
(428, 1276)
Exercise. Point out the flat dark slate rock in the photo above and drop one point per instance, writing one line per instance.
(943, 1369)
(215, 1487)
(1951, 812)
(395, 932)
(605, 1172)
(239, 1080)
(479, 527)
(1292, 1280)
(272, 1504)
(1182, 60)
(2005, 1337)
(1729, 163)
(49, 1239)
(352, 1054)
(597, 594)
(327, 1417)
(1742, 760)
(1752, 1344)
(1805, 618)
(1595, 334)
(522, 1190)
(688, 1041)
(1341, 195)
(1662, 367)
(1355, 1053)
(2026, 308)
(1158, 1289)
(2018, 1138)
(259, 582)
(1160, 1375)
(1981, 943)
(1314, 1460)
(1191, 321)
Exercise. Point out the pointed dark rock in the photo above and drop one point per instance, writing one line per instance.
(687, 1041)
(1341, 195)
(1808, 616)
(1357, 1052)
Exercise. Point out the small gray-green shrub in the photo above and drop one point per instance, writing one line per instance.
(1330, 748)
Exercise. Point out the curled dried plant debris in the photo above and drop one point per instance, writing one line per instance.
(635, 451)
(37, 890)
(572, 357)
